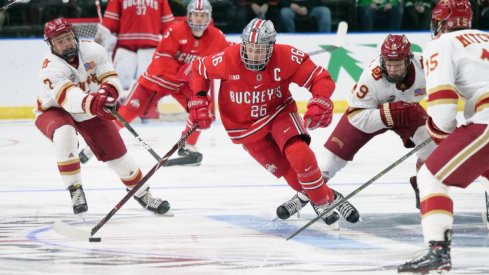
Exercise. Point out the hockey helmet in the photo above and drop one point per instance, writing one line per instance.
(395, 48)
(200, 6)
(450, 15)
(258, 38)
(56, 28)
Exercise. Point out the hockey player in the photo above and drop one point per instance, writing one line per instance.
(258, 111)
(169, 72)
(78, 83)
(456, 66)
(385, 98)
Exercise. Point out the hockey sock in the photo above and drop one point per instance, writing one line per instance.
(291, 178)
(303, 161)
(65, 146)
(127, 170)
(193, 138)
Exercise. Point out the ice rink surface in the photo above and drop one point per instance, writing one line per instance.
(224, 213)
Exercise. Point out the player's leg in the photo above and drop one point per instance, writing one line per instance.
(289, 133)
(106, 143)
(144, 58)
(125, 63)
(457, 161)
(189, 149)
(57, 125)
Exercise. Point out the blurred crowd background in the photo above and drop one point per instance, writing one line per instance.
(26, 17)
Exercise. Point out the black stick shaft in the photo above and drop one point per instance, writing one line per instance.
(135, 134)
(356, 191)
(153, 170)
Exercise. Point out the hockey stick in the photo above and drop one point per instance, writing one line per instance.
(339, 40)
(487, 210)
(356, 191)
(9, 5)
(99, 11)
(170, 162)
(79, 234)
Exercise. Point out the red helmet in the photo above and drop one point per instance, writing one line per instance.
(395, 47)
(451, 15)
(55, 28)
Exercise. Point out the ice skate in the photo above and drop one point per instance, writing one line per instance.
(346, 209)
(189, 156)
(155, 205)
(78, 199)
(290, 207)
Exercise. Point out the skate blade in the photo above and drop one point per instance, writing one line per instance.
(335, 226)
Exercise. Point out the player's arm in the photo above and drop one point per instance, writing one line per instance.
(167, 49)
(442, 92)
(167, 17)
(317, 80)
(55, 82)
(106, 74)
(112, 18)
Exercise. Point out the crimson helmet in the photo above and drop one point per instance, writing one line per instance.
(203, 6)
(55, 28)
(258, 38)
(450, 15)
(395, 47)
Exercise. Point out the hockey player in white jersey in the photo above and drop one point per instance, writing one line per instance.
(386, 97)
(78, 84)
(456, 67)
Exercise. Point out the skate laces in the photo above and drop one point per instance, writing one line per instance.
(294, 205)
(77, 196)
(345, 209)
(149, 201)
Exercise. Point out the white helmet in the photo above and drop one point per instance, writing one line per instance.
(199, 6)
(258, 38)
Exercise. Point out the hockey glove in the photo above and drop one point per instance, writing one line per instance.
(108, 90)
(399, 113)
(436, 134)
(98, 105)
(199, 111)
(319, 113)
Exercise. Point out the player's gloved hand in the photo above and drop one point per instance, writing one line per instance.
(199, 111)
(184, 73)
(436, 134)
(99, 105)
(319, 113)
(108, 90)
(399, 113)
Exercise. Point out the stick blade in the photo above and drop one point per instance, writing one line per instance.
(70, 231)
(341, 34)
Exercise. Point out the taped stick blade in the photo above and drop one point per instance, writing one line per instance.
(71, 231)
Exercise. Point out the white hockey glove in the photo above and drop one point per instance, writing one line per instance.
(105, 38)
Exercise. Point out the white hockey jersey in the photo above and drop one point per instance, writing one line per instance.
(372, 90)
(64, 86)
(457, 66)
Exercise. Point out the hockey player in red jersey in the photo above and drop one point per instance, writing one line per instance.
(386, 97)
(169, 72)
(78, 83)
(456, 66)
(258, 111)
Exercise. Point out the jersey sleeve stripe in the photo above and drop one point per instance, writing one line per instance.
(482, 102)
(111, 15)
(306, 83)
(444, 94)
(61, 95)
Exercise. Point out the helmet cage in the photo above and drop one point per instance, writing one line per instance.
(395, 47)
(256, 49)
(55, 28)
(199, 6)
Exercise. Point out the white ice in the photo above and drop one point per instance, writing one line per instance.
(224, 213)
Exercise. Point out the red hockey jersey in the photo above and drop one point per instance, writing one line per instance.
(249, 100)
(139, 24)
(177, 47)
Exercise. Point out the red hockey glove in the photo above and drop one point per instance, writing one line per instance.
(436, 134)
(108, 90)
(98, 104)
(199, 111)
(399, 113)
(184, 73)
(319, 113)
